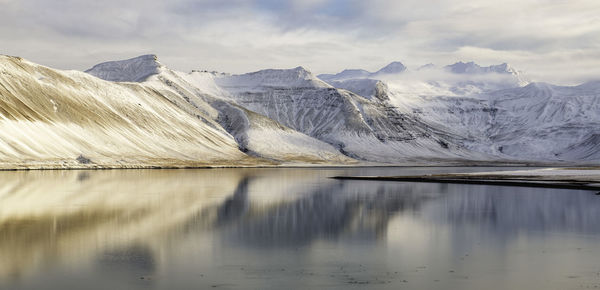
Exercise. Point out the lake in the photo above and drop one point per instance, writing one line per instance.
(290, 228)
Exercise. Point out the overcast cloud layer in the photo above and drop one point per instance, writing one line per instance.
(550, 40)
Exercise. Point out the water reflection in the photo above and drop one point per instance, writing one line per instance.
(328, 212)
(170, 229)
(507, 212)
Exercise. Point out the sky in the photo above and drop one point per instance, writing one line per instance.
(548, 40)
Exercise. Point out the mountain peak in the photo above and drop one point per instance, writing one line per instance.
(463, 67)
(392, 68)
(297, 77)
(426, 66)
(473, 68)
(345, 74)
(136, 69)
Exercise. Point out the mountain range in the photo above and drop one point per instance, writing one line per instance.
(139, 113)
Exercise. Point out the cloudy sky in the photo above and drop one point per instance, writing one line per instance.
(550, 40)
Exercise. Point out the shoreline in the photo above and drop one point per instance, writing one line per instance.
(584, 178)
(433, 163)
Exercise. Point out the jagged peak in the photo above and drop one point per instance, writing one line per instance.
(473, 68)
(136, 69)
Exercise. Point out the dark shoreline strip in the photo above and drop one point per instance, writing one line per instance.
(523, 183)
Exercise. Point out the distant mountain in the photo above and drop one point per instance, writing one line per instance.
(473, 68)
(346, 74)
(274, 78)
(459, 79)
(392, 68)
(131, 70)
(426, 67)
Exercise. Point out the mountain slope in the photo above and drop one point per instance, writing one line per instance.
(51, 118)
(459, 79)
(493, 110)
(150, 115)
(198, 93)
(292, 115)
(361, 128)
(131, 70)
(535, 122)
(392, 68)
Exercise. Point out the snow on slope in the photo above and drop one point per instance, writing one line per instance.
(198, 93)
(545, 120)
(459, 79)
(363, 87)
(272, 78)
(131, 70)
(393, 68)
(292, 115)
(473, 68)
(362, 128)
(494, 110)
(345, 74)
(157, 116)
(51, 118)
(535, 122)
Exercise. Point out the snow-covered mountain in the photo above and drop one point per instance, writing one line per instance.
(131, 70)
(328, 123)
(459, 79)
(493, 109)
(346, 74)
(536, 122)
(393, 68)
(204, 93)
(473, 68)
(57, 119)
(138, 112)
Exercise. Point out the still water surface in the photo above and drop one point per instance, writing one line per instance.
(290, 229)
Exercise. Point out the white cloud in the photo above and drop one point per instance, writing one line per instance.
(552, 40)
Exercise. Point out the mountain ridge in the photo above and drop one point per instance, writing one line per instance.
(145, 114)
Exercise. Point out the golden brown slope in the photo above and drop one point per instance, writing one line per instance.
(57, 119)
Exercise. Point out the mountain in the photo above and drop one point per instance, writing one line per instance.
(473, 68)
(459, 79)
(273, 78)
(327, 124)
(426, 67)
(536, 122)
(348, 123)
(140, 113)
(392, 68)
(361, 128)
(67, 119)
(346, 74)
(204, 93)
(493, 110)
(131, 70)
(395, 67)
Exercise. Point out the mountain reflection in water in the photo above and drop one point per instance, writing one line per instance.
(171, 229)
